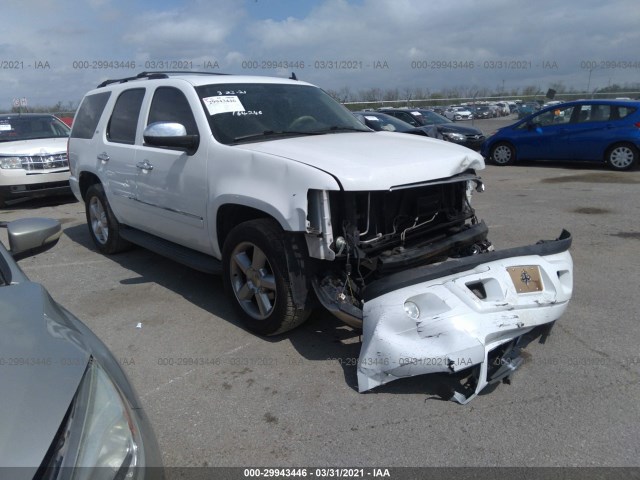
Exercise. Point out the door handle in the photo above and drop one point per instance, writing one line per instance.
(103, 157)
(144, 165)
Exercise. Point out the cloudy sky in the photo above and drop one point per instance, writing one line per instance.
(56, 50)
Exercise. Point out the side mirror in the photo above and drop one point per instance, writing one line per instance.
(30, 236)
(170, 135)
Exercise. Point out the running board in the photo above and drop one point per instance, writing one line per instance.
(186, 256)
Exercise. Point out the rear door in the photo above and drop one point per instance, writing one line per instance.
(117, 158)
(593, 132)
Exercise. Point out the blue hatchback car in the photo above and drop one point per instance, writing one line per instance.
(585, 130)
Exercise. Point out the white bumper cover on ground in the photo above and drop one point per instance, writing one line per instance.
(454, 322)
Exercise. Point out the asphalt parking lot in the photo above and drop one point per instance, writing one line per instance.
(218, 395)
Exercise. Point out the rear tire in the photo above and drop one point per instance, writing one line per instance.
(103, 226)
(622, 156)
(503, 153)
(256, 278)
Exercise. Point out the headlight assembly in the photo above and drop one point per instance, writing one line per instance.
(412, 310)
(10, 163)
(472, 185)
(100, 439)
(454, 137)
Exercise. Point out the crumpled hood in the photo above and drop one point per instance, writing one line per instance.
(41, 146)
(44, 360)
(374, 160)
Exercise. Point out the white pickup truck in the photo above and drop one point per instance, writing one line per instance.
(277, 187)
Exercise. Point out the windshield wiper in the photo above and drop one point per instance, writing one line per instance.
(274, 133)
(336, 128)
(284, 133)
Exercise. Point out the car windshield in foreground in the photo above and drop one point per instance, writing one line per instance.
(268, 111)
(26, 127)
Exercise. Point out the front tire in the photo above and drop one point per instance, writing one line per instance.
(622, 156)
(503, 153)
(256, 278)
(103, 226)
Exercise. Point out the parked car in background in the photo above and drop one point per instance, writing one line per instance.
(504, 109)
(66, 402)
(587, 130)
(527, 109)
(467, 136)
(458, 113)
(33, 156)
(381, 122)
(481, 111)
(495, 110)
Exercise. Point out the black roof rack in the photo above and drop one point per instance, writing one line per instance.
(156, 75)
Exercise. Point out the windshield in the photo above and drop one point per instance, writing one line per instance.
(26, 127)
(245, 112)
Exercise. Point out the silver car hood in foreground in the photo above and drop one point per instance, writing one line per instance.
(42, 361)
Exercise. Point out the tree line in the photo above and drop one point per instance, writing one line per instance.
(376, 96)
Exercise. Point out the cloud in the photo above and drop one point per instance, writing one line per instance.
(507, 42)
(198, 30)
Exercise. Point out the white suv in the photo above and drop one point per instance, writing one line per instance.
(33, 156)
(276, 186)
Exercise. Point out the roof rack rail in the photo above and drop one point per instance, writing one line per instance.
(156, 75)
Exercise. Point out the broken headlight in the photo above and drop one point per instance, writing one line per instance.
(473, 185)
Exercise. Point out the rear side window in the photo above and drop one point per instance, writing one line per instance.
(124, 119)
(88, 116)
(624, 111)
(594, 113)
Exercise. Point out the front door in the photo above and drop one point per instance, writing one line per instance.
(171, 183)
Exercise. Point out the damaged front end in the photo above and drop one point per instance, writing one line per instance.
(468, 317)
(370, 235)
(412, 266)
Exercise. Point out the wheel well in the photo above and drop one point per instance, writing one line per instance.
(503, 142)
(607, 151)
(231, 215)
(86, 180)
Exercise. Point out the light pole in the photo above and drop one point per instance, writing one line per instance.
(589, 82)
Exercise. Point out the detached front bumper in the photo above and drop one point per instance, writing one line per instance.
(470, 313)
